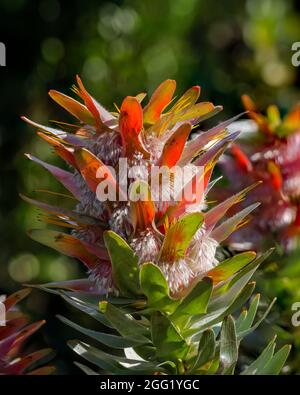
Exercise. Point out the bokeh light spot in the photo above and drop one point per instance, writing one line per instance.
(95, 69)
(24, 267)
(62, 269)
(275, 74)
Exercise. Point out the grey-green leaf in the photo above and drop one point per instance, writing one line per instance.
(202, 322)
(251, 313)
(155, 287)
(86, 369)
(109, 340)
(277, 362)
(124, 323)
(206, 350)
(242, 334)
(169, 344)
(113, 363)
(228, 346)
(86, 308)
(262, 360)
(195, 302)
(124, 264)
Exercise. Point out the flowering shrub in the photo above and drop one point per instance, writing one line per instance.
(268, 151)
(13, 335)
(155, 278)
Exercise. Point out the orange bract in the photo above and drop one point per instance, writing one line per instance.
(175, 145)
(158, 102)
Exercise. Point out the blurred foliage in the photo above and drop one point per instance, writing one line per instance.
(120, 48)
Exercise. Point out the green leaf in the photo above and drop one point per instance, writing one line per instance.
(179, 237)
(224, 295)
(241, 318)
(251, 266)
(169, 366)
(124, 323)
(97, 357)
(86, 369)
(213, 368)
(143, 353)
(206, 350)
(277, 362)
(155, 287)
(195, 302)
(113, 363)
(231, 266)
(169, 344)
(109, 340)
(200, 323)
(228, 297)
(228, 346)
(93, 299)
(86, 308)
(262, 360)
(124, 264)
(249, 318)
(241, 335)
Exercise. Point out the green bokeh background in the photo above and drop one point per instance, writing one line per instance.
(121, 48)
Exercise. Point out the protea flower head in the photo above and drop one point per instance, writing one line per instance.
(269, 152)
(13, 334)
(179, 234)
(154, 241)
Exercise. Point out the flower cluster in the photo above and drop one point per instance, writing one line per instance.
(180, 236)
(14, 334)
(268, 151)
